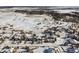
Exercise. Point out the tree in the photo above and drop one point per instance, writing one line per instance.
(33, 38)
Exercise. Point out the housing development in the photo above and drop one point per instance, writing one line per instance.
(39, 29)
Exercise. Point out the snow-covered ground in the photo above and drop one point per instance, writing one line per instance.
(36, 24)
